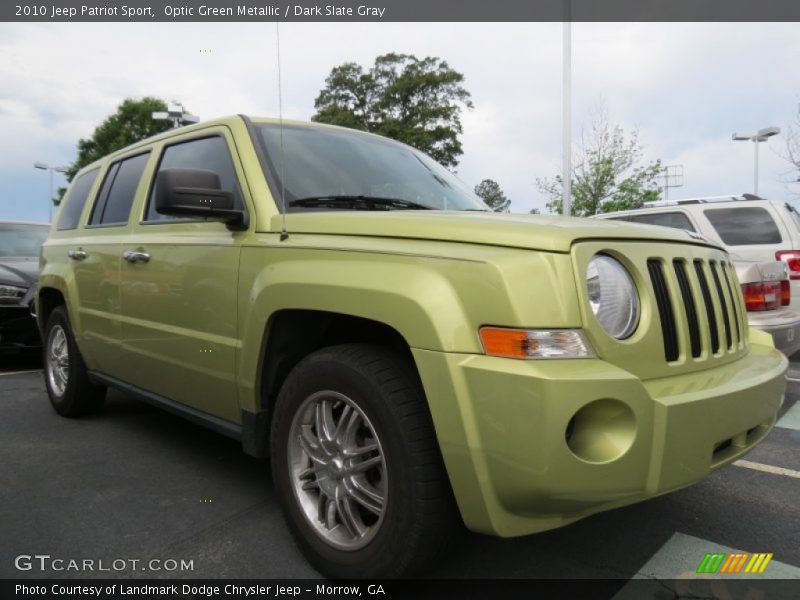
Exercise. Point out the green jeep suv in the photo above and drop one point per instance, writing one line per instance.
(407, 360)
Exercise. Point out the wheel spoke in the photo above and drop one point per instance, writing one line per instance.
(348, 516)
(360, 450)
(311, 446)
(342, 425)
(349, 434)
(367, 464)
(325, 424)
(366, 495)
(330, 513)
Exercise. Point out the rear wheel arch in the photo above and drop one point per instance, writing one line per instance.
(48, 299)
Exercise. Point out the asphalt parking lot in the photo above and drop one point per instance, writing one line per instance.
(133, 482)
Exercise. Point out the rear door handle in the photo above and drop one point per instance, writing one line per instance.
(134, 256)
(77, 254)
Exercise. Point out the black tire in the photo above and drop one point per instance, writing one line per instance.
(77, 395)
(419, 515)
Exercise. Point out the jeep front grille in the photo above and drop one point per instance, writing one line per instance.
(678, 291)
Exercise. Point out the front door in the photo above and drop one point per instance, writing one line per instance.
(178, 292)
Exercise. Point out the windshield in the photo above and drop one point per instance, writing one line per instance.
(331, 164)
(19, 239)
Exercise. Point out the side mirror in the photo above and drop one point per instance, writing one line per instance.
(196, 193)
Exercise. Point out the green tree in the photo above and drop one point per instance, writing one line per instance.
(535, 211)
(608, 173)
(133, 121)
(416, 101)
(489, 191)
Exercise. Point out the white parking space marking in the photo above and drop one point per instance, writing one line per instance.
(680, 557)
(20, 372)
(767, 468)
(791, 420)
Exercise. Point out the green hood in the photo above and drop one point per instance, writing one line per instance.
(535, 232)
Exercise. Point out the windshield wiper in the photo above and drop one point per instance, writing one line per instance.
(359, 202)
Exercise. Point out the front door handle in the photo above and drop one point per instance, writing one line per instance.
(134, 256)
(77, 254)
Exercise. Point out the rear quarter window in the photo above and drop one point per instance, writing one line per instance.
(76, 199)
(744, 226)
(113, 204)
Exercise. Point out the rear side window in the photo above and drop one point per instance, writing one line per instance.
(676, 220)
(745, 226)
(75, 201)
(208, 154)
(114, 201)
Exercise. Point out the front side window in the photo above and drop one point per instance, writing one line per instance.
(76, 198)
(207, 154)
(328, 169)
(22, 239)
(676, 220)
(744, 226)
(113, 205)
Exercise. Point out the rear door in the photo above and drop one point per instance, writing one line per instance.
(179, 288)
(94, 255)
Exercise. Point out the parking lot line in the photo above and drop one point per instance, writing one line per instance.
(20, 372)
(767, 468)
(790, 420)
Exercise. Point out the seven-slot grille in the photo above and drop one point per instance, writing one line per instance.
(697, 293)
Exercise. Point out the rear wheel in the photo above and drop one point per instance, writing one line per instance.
(357, 466)
(67, 381)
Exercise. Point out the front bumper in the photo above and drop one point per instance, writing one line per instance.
(783, 325)
(18, 329)
(502, 427)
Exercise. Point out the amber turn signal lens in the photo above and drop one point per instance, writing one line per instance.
(534, 343)
(509, 343)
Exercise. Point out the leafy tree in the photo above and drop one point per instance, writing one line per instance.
(489, 191)
(132, 122)
(535, 211)
(416, 101)
(608, 173)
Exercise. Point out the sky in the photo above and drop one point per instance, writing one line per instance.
(685, 87)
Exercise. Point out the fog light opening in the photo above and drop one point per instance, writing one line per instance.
(602, 431)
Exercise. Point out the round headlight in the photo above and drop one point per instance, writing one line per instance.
(612, 296)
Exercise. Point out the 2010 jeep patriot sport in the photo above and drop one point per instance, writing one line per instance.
(400, 354)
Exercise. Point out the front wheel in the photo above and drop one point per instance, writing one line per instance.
(357, 467)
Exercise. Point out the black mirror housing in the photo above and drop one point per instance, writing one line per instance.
(195, 193)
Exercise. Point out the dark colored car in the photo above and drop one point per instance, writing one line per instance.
(20, 244)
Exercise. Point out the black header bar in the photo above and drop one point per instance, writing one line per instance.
(399, 10)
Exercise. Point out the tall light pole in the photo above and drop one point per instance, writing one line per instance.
(762, 135)
(50, 169)
(566, 97)
(178, 115)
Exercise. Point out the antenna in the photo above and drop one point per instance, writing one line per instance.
(284, 233)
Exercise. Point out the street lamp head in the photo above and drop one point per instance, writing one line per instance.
(768, 131)
(743, 136)
(38, 165)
